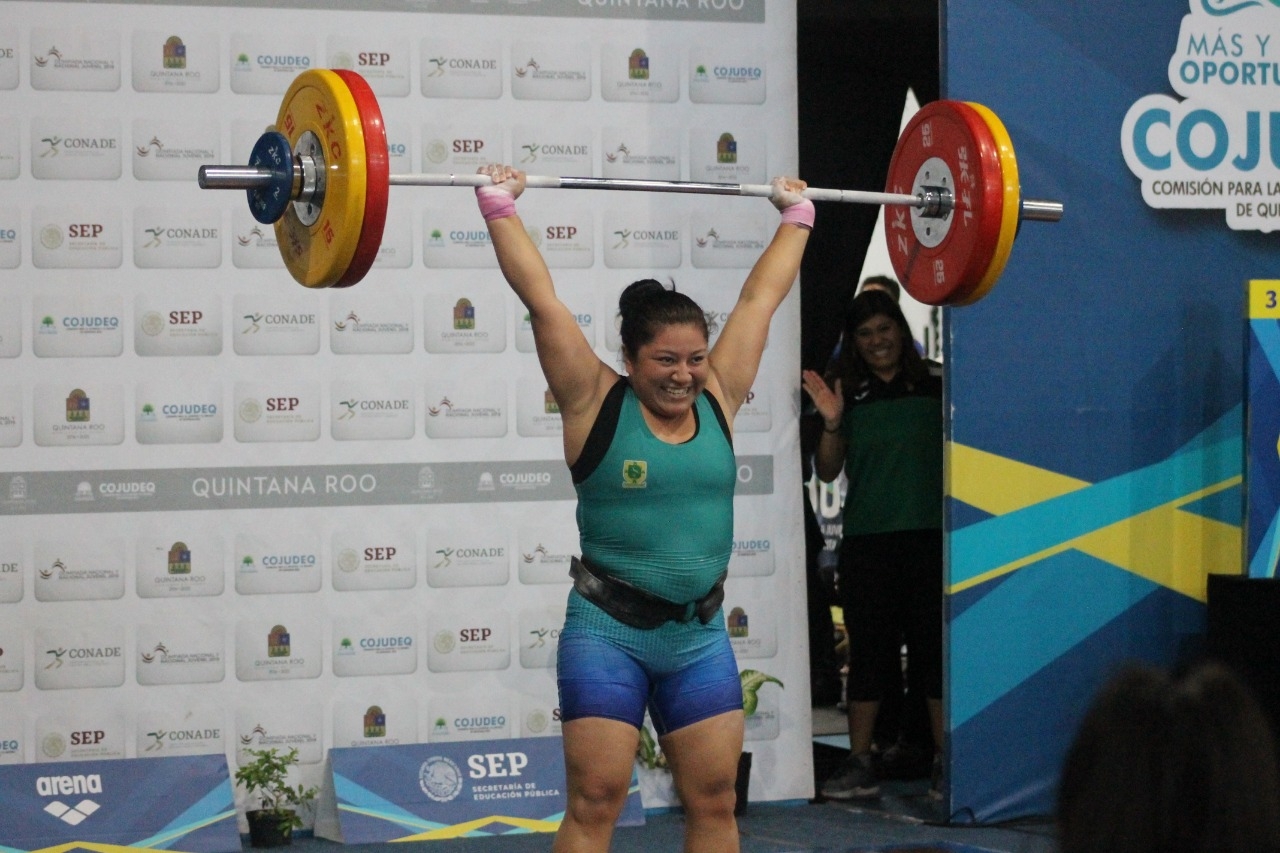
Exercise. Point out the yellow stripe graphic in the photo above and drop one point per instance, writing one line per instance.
(460, 829)
(1165, 545)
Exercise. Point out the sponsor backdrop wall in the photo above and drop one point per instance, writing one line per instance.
(236, 513)
(1096, 435)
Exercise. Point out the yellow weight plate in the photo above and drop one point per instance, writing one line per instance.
(1012, 207)
(319, 102)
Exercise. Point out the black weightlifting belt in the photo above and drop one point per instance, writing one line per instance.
(633, 606)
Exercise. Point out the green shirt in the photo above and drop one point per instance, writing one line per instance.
(893, 456)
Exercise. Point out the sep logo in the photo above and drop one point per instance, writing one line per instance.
(496, 764)
(440, 778)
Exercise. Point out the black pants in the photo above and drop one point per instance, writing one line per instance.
(890, 587)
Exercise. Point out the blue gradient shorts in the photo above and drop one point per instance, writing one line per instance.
(598, 679)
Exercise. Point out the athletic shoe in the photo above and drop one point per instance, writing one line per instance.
(856, 779)
(935, 778)
(905, 760)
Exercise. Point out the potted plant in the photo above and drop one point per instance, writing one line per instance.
(266, 778)
(655, 776)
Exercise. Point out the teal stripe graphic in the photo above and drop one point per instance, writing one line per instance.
(1008, 636)
(1003, 639)
(356, 798)
(1268, 334)
(214, 806)
(1263, 564)
(1213, 456)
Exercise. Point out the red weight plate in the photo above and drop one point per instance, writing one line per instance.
(378, 170)
(1012, 203)
(945, 271)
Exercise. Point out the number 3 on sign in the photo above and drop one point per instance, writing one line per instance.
(1264, 299)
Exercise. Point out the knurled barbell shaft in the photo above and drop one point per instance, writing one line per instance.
(251, 177)
(694, 187)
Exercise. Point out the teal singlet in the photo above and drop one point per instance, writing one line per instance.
(657, 515)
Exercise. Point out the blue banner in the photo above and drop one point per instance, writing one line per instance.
(1262, 389)
(435, 791)
(183, 803)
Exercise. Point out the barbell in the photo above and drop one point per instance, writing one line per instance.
(952, 197)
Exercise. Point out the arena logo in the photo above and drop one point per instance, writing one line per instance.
(68, 786)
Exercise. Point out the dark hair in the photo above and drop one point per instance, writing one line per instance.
(889, 284)
(849, 366)
(647, 306)
(1181, 764)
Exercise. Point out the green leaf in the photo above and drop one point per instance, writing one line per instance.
(752, 680)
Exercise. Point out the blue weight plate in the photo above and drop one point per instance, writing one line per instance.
(272, 151)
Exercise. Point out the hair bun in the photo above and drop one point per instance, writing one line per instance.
(638, 293)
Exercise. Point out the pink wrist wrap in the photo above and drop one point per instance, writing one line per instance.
(495, 203)
(800, 213)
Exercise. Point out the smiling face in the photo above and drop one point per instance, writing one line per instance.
(669, 372)
(879, 342)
